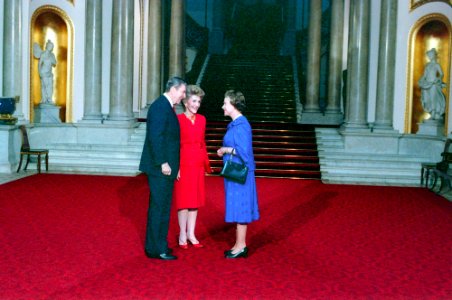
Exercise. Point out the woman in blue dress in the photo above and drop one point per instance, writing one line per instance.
(241, 199)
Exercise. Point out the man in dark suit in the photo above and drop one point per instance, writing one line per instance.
(160, 161)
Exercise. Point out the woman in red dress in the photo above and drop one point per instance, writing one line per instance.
(189, 189)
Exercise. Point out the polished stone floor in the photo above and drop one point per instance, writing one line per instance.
(4, 178)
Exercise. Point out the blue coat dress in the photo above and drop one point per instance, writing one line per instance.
(241, 199)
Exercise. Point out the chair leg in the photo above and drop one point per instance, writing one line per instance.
(422, 176)
(47, 162)
(28, 160)
(441, 185)
(431, 184)
(39, 163)
(20, 163)
(427, 175)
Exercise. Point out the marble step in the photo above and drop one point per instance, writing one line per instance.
(342, 167)
(371, 179)
(92, 158)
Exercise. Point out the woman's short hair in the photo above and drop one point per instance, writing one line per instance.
(194, 90)
(237, 99)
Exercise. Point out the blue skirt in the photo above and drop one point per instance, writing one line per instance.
(241, 200)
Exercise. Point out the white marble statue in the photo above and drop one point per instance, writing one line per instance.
(431, 84)
(47, 61)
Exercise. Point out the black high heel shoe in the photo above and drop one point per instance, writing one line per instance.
(242, 253)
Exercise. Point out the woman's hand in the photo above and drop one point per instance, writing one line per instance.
(220, 152)
(178, 175)
(224, 150)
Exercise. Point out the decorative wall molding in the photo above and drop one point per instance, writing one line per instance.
(417, 3)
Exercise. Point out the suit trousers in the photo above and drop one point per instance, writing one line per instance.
(161, 193)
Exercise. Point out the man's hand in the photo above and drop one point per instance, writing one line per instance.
(166, 169)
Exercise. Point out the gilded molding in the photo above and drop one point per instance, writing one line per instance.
(410, 71)
(417, 3)
(70, 1)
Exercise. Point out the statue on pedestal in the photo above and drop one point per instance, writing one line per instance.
(431, 84)
(47, 61)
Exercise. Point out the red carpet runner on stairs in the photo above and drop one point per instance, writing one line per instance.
(81, 237)
(281, 150)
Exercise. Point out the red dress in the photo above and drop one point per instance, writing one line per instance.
(189, 190)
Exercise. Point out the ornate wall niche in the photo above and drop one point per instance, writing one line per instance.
(416, 3)
(52, 23)
(431, 31)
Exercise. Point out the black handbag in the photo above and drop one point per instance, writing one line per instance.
(234, 171)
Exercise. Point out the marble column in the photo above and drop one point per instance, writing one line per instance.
(154, 51)
(93, 61)
(177, 39)
(12, 50)
(311, 109)
(333, 109)
(386, 66)
(216, 36)
(358, 56)
(121, 80)
(313, 70)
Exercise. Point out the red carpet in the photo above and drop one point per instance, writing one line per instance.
(81, 237)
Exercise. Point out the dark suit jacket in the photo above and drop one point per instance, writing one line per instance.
(162, 143)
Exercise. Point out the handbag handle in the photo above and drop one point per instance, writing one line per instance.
(232, 154)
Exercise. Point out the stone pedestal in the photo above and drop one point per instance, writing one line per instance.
(10, 141)
(431, 127)
(47, 113)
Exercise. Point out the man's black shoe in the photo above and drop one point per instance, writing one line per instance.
(168, 250)
(164, 256)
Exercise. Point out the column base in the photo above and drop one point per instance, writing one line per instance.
(96, 119)
(143, 114)
(120, 121)
(382, 128)
(321, 119)
(354, 127)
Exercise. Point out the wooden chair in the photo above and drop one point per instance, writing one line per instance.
(431, 171)
(26, 150)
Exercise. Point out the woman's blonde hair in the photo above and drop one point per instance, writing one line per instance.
(194, 90)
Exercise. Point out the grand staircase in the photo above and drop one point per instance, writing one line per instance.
(280, 150)
(282, 147)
